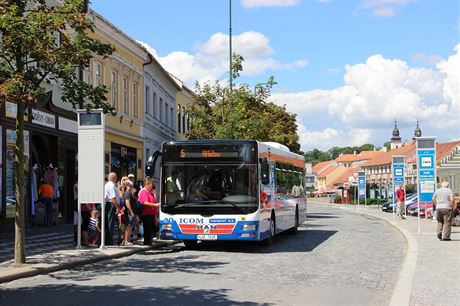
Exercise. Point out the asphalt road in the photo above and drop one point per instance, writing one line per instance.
(337, 258)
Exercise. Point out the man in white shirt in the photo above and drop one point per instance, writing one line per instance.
(112, 202)
(443, 199)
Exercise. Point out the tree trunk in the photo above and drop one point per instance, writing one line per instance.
(19, 218)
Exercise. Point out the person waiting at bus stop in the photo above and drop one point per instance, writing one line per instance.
(400, 197)
(150, 211)
(112, 199)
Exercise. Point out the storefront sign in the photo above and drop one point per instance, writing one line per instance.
(68, 125)
(11, 110)
(44, 119)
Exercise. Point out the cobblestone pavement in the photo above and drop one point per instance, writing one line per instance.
(337, 258)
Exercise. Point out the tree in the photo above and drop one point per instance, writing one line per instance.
(39, 43)
(242, 113)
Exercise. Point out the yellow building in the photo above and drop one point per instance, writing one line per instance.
(122, 73)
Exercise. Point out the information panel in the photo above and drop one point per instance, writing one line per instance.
(398, 166)
(426, 165)
(361, 185)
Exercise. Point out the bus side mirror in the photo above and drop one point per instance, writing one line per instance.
(264, 170)
(150, 164)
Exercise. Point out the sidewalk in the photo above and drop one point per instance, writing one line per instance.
(431, 270)
(71, 257)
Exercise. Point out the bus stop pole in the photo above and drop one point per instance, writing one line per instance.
(103, 224)
(78, 224)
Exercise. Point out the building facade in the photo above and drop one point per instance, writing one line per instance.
(160, 91)
(123, 75)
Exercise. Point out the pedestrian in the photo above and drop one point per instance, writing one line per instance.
(443, 198)
(46, 194)
(94, 229)
(128, 213)
(400, 198)
(149, 201)
(137, 208)
(112, 200)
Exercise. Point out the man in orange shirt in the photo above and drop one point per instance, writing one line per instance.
(46, 194)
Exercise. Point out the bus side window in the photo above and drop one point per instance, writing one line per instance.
(264, 170)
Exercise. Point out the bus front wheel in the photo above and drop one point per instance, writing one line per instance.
(269, 240)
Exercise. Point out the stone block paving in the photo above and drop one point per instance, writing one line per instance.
(437, 271)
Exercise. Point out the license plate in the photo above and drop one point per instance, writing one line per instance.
(206, 237)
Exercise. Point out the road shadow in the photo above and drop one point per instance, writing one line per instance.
(321, 216)
(71, 294)
(306, 240)
(146, 262)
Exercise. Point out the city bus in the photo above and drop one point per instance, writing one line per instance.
(228, 190)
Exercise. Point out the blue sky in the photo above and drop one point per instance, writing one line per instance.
(346, 68)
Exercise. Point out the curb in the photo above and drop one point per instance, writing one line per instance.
(31, 271)
(402, 290)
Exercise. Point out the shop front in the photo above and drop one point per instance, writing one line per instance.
(123, 156)
(50, 150)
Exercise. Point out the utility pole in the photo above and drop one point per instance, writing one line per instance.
(230, 45)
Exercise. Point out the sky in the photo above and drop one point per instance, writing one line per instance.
(347, 69)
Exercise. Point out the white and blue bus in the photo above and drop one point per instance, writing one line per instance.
(229, 190)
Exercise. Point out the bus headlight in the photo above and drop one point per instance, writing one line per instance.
(249, 227)
(166, 227)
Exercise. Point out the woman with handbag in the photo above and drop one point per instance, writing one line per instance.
(149, 201)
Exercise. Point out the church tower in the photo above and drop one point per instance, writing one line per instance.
(396, 140)
(418, 131)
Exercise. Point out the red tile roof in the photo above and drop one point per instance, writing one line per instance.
(364, 155)
(385, 159)
(328, 170)
(321, 166)
(344, 177)
(444, 149)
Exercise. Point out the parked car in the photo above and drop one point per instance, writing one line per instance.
(414, 208)
(387, 206)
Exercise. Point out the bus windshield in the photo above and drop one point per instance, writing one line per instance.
(209, 189)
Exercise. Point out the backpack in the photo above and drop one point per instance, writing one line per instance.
(138, 208)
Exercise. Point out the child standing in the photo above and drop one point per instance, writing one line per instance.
(93, 228)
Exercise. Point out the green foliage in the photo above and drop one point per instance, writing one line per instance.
(411, 188)
(48, 43)
(242, 113)
(41, 43)
(316, 156)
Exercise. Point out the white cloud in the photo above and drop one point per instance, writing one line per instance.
(383, 8)
(210, 62)
(260, 3)
(374, 93)
(329, 137)
(426, 59)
